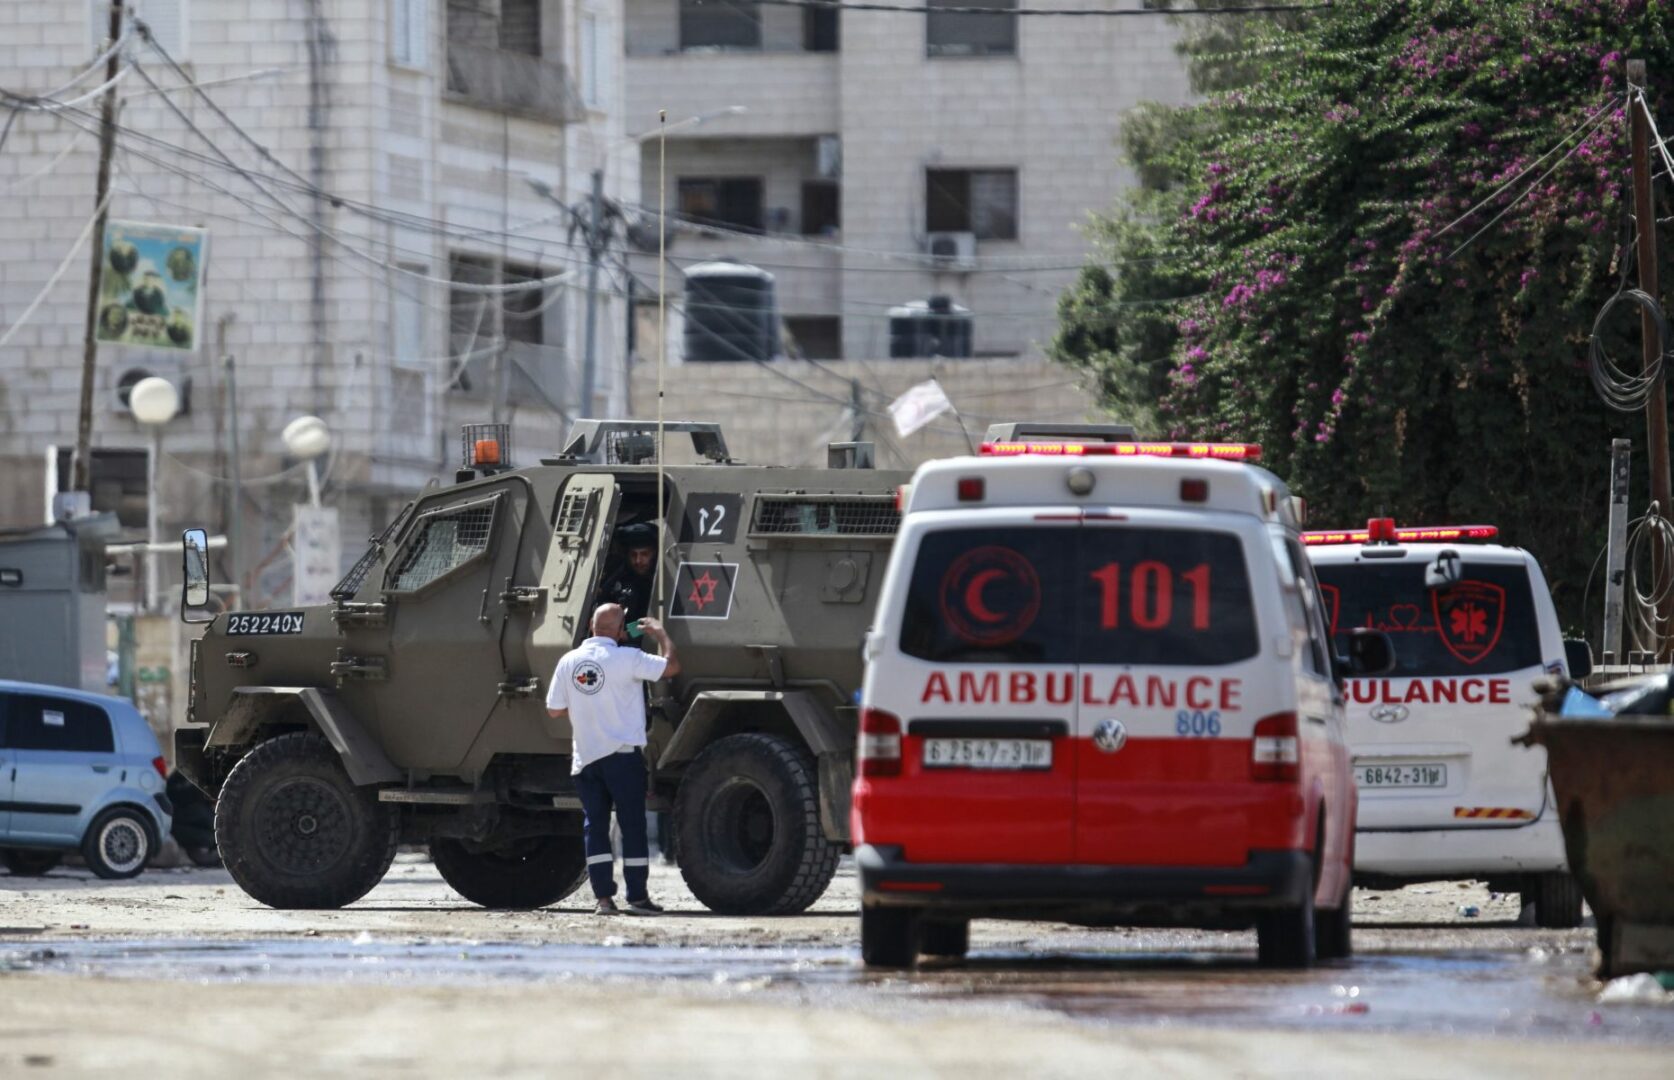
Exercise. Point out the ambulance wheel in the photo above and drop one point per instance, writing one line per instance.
(1285, 938)
(747, 823)
(295, 831)
(888, 937)
(948, 939)
(1333, 938)
(524, 874)
(1557, 900)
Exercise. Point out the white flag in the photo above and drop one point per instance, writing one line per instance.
(918, 406)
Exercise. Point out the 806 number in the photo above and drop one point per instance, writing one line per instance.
(1197, 723)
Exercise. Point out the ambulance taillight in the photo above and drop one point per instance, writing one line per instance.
(879, 747)
(1276, 750)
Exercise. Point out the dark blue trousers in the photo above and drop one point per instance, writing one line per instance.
(618, 781)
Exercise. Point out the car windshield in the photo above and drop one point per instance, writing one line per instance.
(1071, 594)
(1483, 625)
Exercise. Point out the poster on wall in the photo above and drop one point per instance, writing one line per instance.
(151, 285)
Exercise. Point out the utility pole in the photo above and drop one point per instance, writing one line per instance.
(1656, 405)
(89, 347)
(595, 253)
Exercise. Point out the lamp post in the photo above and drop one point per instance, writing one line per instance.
(154, 402)
(307, 437)
(316, 540)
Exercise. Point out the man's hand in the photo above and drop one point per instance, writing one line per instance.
(654, 629)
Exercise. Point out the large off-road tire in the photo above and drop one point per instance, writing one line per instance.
(748, 821)
(119, 843)
(22, 862)
(522, 874)
(295, 832)
(1285, 938)
(1333, 932)
(946, 939)
(889, 937)
(1557, 900)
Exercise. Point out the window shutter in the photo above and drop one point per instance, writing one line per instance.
(167, 19)
(408, 32)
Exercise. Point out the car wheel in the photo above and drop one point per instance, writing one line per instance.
(1285, 938)
(747, 817)
(119, 843)
(888, 937)
(520, 875)
(24, 863)
(295, 832)
(947, 939)
(1333, 933)
(1557, 900)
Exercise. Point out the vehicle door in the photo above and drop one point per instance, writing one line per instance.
(432, 674)
(8, 769)
(65, 762)
(982, 678)
(582, 522)
(1431, 742)
(1170, 682)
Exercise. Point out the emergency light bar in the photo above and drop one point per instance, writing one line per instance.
(1383, 530)
(1200, 451)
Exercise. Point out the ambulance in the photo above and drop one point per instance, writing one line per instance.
(1444, 794)
(1099, 690)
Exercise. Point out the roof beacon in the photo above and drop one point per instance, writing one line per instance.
(1199, 451)
(1384, 531)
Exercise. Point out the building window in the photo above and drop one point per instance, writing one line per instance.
(409, 33)
(965, 34)
(814, 337)
(978, 201)
(821, 208)
(590, 60)
(733, 202)
(408, 337)
(819, 29)
(709, 24)
(520, 26)
(168, 19)
(524, 308)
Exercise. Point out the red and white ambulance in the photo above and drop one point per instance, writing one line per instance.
(1099, 689)
(1443, 792)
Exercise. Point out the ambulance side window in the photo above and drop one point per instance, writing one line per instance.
(1308, 590)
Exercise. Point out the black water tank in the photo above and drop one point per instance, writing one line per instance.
(731, 313)
(933, 327)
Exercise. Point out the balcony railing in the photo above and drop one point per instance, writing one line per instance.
(512, 82)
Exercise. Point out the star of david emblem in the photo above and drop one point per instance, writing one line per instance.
(703, 591)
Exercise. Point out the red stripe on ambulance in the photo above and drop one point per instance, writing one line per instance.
(1060, 687)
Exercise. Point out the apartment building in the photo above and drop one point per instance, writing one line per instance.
(870, 159)
(378, 178)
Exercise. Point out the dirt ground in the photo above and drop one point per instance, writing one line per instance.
(179, 971)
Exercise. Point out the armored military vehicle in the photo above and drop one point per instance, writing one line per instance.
(411, 709)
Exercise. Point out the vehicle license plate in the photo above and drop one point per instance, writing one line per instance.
(1400, 776)
(264, 622)
(987, 753)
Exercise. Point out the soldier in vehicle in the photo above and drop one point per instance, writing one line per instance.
(632, 582)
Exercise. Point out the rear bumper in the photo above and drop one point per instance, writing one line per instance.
(1438, 854)
(1140, 895)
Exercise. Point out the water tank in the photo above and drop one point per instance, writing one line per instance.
(731, 313)
(933, 327)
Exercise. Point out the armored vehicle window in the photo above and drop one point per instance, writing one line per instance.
(443, 541)
(825, 515)
(356, 577)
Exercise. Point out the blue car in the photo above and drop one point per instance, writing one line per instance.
(78, 772)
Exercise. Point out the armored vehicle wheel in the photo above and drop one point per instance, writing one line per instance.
(24, 863)
(1557, 900)
(528, 873)
(748, 823)
(293, 830)
(889, 937)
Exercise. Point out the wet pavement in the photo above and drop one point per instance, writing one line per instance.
(1538, 992)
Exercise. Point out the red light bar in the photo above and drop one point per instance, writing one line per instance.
(1432, 534)
(1200, 451)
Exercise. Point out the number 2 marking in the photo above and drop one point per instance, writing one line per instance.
(705, 528)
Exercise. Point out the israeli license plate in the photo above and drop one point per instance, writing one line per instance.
(264, 622)
(987, 754)
(1397, 775)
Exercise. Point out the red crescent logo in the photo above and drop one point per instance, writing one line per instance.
(990, 595)
(973, 596)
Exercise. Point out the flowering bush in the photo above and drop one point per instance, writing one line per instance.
(1288, 271)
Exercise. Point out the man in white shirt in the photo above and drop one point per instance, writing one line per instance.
(597, 688)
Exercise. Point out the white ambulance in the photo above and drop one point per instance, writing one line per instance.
(1444, 794)
(1099, 689)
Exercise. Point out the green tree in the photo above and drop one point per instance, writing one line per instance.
(1298, 269)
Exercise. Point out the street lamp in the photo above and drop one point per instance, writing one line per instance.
(154, 402)
(307, 437)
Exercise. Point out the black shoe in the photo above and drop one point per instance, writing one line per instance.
(607, 906)
(644, 907)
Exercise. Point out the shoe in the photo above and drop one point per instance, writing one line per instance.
(607, 906)
(644, 907)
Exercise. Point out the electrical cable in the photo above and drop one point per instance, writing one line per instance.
(58, 159)
(1652, 536)
(58, 274)
(97, 64)
(47, 105)
(1621, 390)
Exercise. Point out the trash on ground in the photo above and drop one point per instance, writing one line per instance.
(1641, 989)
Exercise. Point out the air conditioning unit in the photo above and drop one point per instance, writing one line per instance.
(951, 250)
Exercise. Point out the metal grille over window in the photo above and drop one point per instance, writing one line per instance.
(443, 542)
(572, 514)
(802, 515)
(356, 577)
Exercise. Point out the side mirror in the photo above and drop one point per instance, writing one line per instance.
(194, 574)
(1445, 572)
(1370, 652)
(1578, 657)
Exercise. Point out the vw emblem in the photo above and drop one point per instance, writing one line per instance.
(1110, 736)
(1390, 714)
